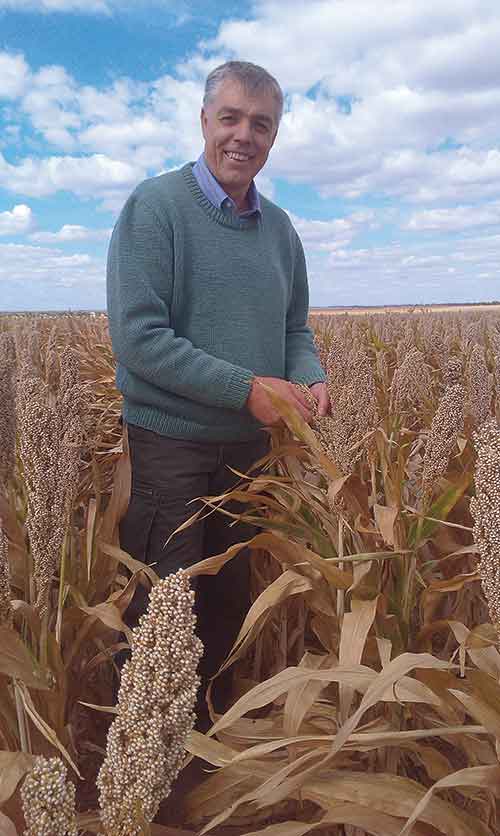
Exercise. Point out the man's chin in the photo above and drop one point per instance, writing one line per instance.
(235, 181)
(236, 171)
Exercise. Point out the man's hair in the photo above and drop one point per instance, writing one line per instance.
(253, 78)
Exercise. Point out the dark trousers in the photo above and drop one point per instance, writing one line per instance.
(168, 473)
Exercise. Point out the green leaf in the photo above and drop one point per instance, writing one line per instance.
(17, 661)
(423, 529)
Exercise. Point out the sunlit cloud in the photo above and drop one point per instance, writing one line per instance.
(70, 233)
(17, 221)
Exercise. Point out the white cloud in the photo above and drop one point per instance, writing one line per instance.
(48, 266)
(69, 116)
(50, 103)
(14, 75)
(454, 218)
(128, 126)
(399, 108)
(330, 235)
(145, 139)
(112, 104)
(361, 47)
(179, 103)
(97, 7)
(397, 101)
(345, 155)
(410, 273)
(16, 222)
(93, 176)
(71, 232)
(82, 6)
(265, 185)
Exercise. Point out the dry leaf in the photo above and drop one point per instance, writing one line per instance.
(7, 827)
(355, 628)
(484, 777)
(386, 519)
(13, 767)
(17, 661)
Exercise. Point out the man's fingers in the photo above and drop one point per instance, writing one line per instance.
(321, 395)
(299, 396)
(304, 410)
(294, 397)
(324, 404)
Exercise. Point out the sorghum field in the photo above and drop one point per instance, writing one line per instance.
(367, 692)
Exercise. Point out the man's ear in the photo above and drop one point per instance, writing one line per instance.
(203, 119)
(275, 135)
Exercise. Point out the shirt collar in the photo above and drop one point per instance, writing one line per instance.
(216, 194)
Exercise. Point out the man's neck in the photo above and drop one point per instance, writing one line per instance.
(240, 199)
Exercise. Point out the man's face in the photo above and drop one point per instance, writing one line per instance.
(239, 132)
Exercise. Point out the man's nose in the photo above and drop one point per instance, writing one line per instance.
(243, 131)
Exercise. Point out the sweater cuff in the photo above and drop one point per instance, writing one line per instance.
(238, 388)
(309, 379)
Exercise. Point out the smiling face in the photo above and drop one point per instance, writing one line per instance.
(239, 131)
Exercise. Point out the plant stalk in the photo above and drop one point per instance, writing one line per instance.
(340, 592)
(21, 719)
(62, 576)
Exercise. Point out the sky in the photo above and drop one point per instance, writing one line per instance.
(387, 158)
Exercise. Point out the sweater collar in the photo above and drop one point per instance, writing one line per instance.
(230, 219)
(212, 189)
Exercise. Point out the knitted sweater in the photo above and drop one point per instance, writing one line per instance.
(199, 302)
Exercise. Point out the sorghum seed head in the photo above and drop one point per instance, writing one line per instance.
(49, 800)
(485, 510)
(157, 694)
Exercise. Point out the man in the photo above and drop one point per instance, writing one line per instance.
(207, 300)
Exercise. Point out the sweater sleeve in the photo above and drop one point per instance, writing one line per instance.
(302, 362)
(139, 291)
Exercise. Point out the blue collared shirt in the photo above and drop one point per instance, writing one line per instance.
(213, 190)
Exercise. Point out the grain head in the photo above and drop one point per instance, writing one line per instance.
(49, 800)
(445, 428)
(50, 436)
(485, 510)
(479, 388)
(7, 409)
(411, 383)
(157, 694)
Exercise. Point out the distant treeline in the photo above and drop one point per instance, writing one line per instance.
(312, 308)
(404, 306)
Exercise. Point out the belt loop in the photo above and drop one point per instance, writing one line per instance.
(220, 455)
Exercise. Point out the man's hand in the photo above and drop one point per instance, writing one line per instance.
(260, 405)
(320, 392)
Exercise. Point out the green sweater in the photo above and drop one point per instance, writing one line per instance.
(199, 302)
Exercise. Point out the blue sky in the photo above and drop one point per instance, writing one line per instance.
(387, 159)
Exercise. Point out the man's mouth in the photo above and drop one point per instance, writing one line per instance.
(237, 156)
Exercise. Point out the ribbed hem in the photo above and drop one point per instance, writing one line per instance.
(309, 379)
(238, 388)
(159, 422)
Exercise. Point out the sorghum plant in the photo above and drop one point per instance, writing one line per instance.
(145, 747)
(49, 800)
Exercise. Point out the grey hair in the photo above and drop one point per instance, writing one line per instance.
(252, 77)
